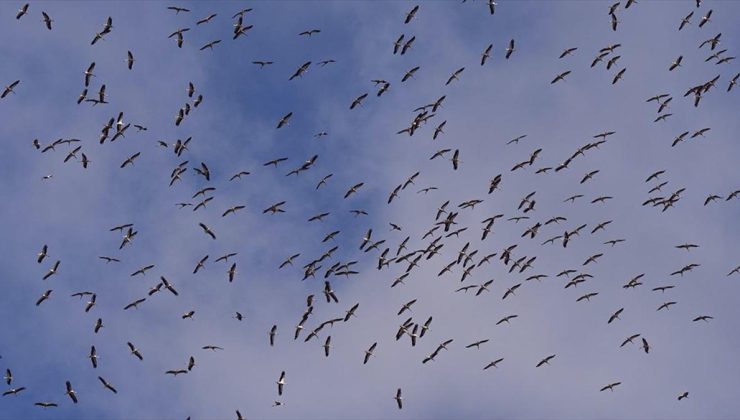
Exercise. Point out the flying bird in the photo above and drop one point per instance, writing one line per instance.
(207, 230)
(9, 89)
(281, 383)
(47, 20)
(615, 315)
(43, 297)
(411, 13)
(546, 360)
(107, 385)
(611, 386)
(486, 54)
(177, 9)
(284, 121)
(560, 77)
(510, 49)
(71, 392)
(22, 11)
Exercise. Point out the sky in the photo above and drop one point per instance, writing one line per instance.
(234, 129)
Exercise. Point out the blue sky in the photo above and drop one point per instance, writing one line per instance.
(234, 130)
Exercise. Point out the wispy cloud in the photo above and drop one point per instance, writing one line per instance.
(233, 130)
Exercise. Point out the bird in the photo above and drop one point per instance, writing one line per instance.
(683, 395)
(615, 315)
(107, 385)
(406, 45)
(629, 339)
(687, 246)
(406, 306)
(546, 360)
(93, 357)
(206, 19)
(142, 270)
(177, 9)
(226, 257)
(610, 386)
(351, 312)
(733, 82)
(486, 54)
(300, 71)
(705, 19)
(14, 391)
(510, 291)
(353, 189)
(130, 60)
(567, 52)
(493, 363)
(409, 74)
(455, 75)
(207, 230)
(134, 304)
(212, 347)
(327, 346)
(42, 254)
(676, 63)
(231, 210)
(284, 120)
(210, 45)
(411, 13)
(492, 7)
(281, 383)
(510, 49)
(560, 77)
(273, 332)
(399, 397)
(275, 208)
(711, 198)
(9, 89)
(369, 353)
(47, 20)
(71, 392)
(43, 297)
(666, 305)
(477, 344)
(619, 75)
(232, 272)
(358, 101)
(52, 270)
(645, 345)
(135, 351)
(22, 11)
(130, 159)
(89, 73)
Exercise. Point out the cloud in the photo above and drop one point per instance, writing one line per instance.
(234, 130)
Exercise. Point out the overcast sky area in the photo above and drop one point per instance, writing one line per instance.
(71, 209)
